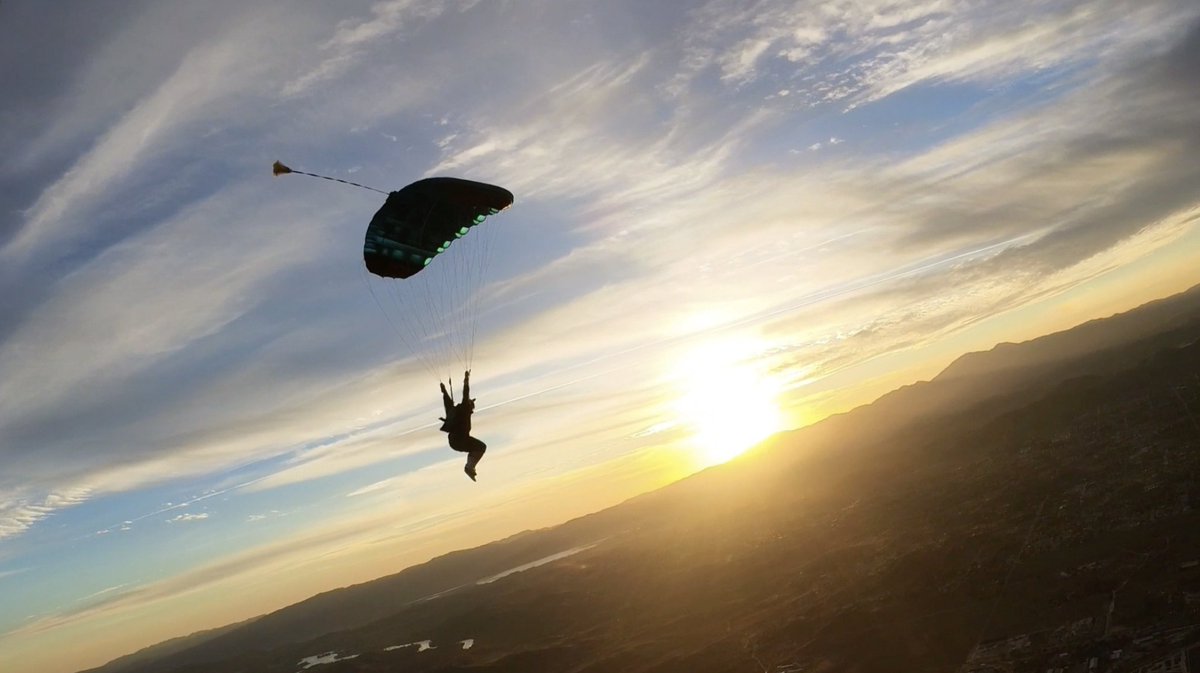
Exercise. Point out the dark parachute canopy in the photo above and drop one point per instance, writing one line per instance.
(432, 307)
(422, 220)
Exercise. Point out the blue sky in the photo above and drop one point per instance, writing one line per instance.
(205, 414)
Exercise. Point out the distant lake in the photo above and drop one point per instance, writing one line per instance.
(327, 658)
(533, 564)
(422, 645)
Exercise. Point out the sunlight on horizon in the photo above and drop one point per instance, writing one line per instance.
(726, 402)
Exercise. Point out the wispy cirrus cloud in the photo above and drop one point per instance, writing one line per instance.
(214, 82)
(20, 510)
(857, 52)
(188, 517)
(352, 37)
(12, 572)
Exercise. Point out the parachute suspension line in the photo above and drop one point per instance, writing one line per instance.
(470, 287)
(459, 285)
(484, 261)
(473, 284)
(279, 169)
(465, 289)
(417, 330)
(475, 265)
(387, 315)
(409, 339)
(471, 301)
(453, 307)
(439, 327)
(422, 329)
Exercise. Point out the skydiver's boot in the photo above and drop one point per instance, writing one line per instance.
(472, 460)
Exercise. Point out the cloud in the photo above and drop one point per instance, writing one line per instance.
(185, 518)
(261, 517)
(855, 52)
(211, 81)
(353, 37)
(1095, 166)
(232, 569)
(139, 301)
(915, 310)
(12, 572)
(103, 592)
(19, 512)
(353, 452)
(132, 312)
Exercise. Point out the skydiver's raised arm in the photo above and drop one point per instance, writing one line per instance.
(447, 401)
(467, 385)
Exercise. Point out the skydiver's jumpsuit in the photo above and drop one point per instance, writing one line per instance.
(457, 424)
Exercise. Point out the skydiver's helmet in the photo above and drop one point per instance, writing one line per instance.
(469, 404)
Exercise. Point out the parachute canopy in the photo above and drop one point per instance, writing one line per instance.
(423, 219)
(435, 314)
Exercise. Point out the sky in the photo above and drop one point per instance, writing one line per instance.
(731, 218)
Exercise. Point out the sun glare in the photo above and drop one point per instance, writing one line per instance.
(729, 404)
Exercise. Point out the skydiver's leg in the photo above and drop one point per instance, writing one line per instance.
(474, 455)
(460, 442)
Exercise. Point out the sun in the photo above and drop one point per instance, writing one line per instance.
(726, 400)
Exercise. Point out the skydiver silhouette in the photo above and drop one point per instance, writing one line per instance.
(457, 424)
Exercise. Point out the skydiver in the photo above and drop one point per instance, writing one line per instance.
(457, 424)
